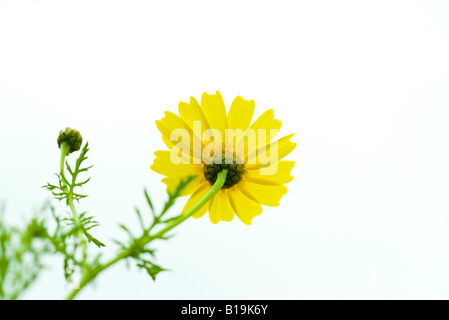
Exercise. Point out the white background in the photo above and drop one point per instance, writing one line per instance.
(362, 84)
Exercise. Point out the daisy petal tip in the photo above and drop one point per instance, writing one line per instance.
(294, 145)
(193, 102)
(169, 114)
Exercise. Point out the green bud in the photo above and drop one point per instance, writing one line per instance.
(71, 137)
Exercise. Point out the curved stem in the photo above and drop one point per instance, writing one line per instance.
(145, 239)
(221, 179)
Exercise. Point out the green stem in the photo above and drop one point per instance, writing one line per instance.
(144, 240)
(64, 152)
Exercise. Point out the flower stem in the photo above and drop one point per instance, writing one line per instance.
(145, 239)
(64, 152)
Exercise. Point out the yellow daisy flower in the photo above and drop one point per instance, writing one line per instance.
(204, 140)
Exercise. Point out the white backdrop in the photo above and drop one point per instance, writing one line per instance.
(362, 84)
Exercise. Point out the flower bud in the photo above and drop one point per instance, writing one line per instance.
(71, 137)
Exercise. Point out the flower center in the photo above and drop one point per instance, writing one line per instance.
(234, 171)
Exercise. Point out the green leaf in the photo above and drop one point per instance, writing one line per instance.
(139, 216)
(147, 197)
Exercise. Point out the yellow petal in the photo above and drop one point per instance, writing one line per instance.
(180, 150)
(219, 208)
(268, 195)
(266, 122)
(284, 147)
(186, 158)
(281, 176)
(240, 113)
(197, 196)
(191, 112)
(162, 164)
(215, 111)
(245, 208)
(172, 182)
(186, 142)
(175, 172)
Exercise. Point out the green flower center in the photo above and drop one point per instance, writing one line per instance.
(234, 171)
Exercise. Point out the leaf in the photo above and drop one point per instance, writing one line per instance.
(139, 216)
(152, 269)
(149, 202)
(127, 231)
(69, 169)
